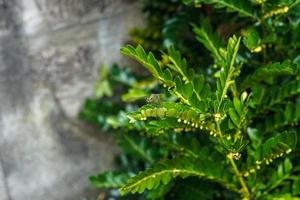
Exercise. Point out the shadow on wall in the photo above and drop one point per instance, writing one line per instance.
(50, 52)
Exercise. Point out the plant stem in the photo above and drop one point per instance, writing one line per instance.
(218, 128)
(245, 191)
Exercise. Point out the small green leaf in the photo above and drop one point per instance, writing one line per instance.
(252, 40)
(110, 179)
(296, 186)
(179, 84)
(209, 39)
(134, 95)
(164, 171)
(234, 117)
(167, 74)
(288, 166)
(288, 112)
(190, 74)
(188, 90)
(238, 106)
(198, 83)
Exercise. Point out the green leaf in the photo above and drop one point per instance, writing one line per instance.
(199, 83)
(159, 192)
(140, 55)
(286, 196)
(274, 148)
(279, 177)
(191, 117)
(110, 179)
(296, 186)
(134, 95)
(288, 166)
(168, 74)
(227, 72)
(179, 84)
(280, 94)
(252, 40)
(178, 64)
(234, 117)
(159, 127)
(188, 189)
(269, 72)
(282, 117)
(165, 171)
(238, 106)
(209, 39)
(139, 147)
(188, 90)
(243, 7)
(102, 86)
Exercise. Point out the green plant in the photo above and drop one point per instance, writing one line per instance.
(168, 23)
(229, 132)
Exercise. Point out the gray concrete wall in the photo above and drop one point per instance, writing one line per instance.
(50, 52)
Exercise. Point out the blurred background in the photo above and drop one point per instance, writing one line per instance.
(50, 54)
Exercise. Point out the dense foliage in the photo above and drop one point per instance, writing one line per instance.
(222, 124)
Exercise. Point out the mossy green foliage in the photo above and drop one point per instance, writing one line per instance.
(224, 130)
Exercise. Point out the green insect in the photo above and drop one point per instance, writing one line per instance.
(154, 99)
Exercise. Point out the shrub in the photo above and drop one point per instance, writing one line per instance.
(226, 130)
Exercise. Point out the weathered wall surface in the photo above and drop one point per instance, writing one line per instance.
(50, 52)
